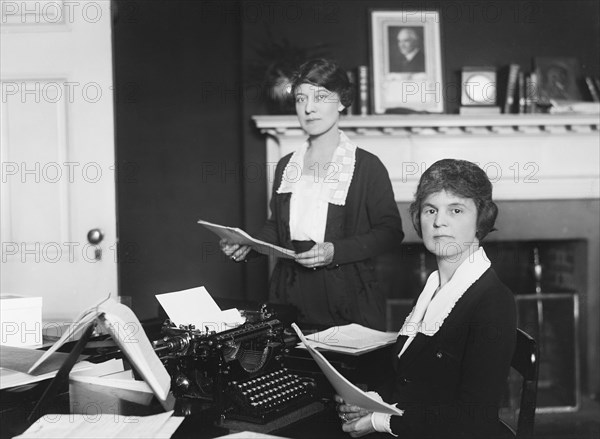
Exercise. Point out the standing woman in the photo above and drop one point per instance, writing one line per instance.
(332, 203)
(454, 350)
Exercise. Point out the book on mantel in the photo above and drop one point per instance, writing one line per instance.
(477, 110)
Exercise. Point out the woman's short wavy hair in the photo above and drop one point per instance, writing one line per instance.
(463, 179)
(325, 73)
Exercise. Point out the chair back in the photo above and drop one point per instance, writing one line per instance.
(526, 362)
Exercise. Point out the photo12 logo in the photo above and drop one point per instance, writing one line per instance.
(50, 12)
(52, 92)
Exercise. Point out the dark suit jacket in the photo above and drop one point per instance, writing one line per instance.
(367, 226)
(450, 384)
(399, 64)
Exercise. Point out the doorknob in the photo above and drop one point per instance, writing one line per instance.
(95, 237)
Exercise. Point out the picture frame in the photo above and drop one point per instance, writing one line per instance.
(557, 79)
(406, 61)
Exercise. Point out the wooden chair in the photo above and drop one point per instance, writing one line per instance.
(526, 362)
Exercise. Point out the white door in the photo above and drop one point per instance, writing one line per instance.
(57, 153)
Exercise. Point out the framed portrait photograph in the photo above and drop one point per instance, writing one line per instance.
(406, 61)
(557, 79)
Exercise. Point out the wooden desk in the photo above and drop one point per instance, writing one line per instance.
(199, 423)
(201, 418)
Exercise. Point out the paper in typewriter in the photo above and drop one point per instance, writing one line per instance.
(195, 306)
(344, 388)
(238, 236)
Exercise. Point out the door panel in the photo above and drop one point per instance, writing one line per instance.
(57, 154)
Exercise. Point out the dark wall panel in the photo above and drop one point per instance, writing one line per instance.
(176, 134)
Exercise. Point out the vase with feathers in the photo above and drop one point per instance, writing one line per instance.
(273, 68)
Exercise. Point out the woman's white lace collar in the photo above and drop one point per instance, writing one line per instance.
(429, 313)
(337, 174)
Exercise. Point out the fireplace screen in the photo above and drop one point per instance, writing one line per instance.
(552, 320)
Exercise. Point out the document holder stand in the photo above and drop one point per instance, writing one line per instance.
(62, 376)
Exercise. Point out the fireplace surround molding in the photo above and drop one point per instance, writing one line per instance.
(527, 157)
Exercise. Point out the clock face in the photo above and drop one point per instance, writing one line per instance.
(478, 88)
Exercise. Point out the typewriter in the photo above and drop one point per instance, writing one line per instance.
(240, 371)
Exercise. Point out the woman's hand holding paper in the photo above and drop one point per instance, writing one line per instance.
(357, 421)
(234, 251)
(319, 255)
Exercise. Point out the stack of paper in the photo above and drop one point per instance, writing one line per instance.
(350, 339)
(196, 307)
(344, 388)
(21, 320)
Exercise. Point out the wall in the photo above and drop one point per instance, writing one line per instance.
(175, 135)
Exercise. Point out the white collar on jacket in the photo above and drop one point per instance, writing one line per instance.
(338, 175)
(428, 315)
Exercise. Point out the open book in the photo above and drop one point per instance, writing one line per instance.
(125, 328)
(348, 391)
(238, 236)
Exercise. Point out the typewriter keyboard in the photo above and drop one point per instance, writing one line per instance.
(265, 397)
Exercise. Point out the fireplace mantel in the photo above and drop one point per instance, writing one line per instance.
(528, 157)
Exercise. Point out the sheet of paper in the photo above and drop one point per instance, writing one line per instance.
(353, 336)
(105, 394)
(250, 435)
(196, 307)
(232, 317)
(238, 236)
(111, 367)
(110, 374)
(16, 361)
(20, 359)
(107, 425)
(11, 379)
(348, 391)
(118, 383)
(127, 331)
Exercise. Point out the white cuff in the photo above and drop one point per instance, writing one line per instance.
(381, 423)
(376, 396)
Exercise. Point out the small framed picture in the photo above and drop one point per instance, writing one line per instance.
(406, 61)
(557, 79)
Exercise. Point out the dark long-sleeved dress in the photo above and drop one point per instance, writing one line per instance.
(450, 384)
(367, 225)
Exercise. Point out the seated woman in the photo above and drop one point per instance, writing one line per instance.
(454, 350)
